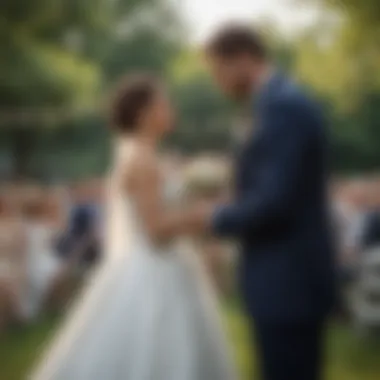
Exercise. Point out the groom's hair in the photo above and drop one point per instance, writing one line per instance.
(234, 40)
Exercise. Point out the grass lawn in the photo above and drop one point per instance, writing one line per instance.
(349, 358)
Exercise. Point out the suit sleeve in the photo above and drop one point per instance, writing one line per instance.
(269, 202)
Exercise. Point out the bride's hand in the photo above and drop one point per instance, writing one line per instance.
(225, 197)
(201, 215)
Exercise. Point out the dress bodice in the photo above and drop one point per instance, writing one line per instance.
(124, 226)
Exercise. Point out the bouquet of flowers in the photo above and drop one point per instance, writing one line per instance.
(206, 178)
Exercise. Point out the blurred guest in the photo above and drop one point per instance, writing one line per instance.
(370, 236)
(12, 261)
(82, 232)
(359, 226)
(371, 230)
(60, 202)
(43, 266)
(351, 212)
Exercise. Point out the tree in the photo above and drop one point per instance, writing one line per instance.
(205, 117)
(147, 38)
(58, 57)
(341, 65)
(42, 79)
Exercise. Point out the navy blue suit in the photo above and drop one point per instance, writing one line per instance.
(280, 217)
(82, 224)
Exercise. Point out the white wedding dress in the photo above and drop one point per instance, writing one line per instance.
(148, 312)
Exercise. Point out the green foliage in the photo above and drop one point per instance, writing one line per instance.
(42, 75)
(344, 68)
(59, 56)
(204, 116)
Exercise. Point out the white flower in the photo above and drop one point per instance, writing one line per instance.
(206, 174)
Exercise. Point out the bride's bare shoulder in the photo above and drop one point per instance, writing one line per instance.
(142, 168)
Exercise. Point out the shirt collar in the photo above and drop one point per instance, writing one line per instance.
(266, 78)
(265, 83)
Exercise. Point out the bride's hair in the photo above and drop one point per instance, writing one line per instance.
(132, 96)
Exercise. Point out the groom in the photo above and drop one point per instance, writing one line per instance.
(280, 213)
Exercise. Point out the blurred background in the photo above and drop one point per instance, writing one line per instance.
(59, 58)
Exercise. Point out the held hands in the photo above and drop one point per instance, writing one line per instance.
(223, 198)
(201, 215)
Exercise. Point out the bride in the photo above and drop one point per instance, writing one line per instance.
(148, 312)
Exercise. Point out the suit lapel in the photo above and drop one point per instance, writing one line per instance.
(258, 102)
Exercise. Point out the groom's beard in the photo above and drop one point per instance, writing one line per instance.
(243, 90)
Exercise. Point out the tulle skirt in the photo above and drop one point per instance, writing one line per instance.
(145, 316)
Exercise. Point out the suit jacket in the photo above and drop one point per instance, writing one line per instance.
(280, 215)
(82, 224)
(370, 236)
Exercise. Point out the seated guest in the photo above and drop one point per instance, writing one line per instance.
(43, 266)
(82, 234)
(360, 227)
(370, 237)
(352, 215)
(12, 262)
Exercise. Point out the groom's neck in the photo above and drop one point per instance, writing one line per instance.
(262, 76)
